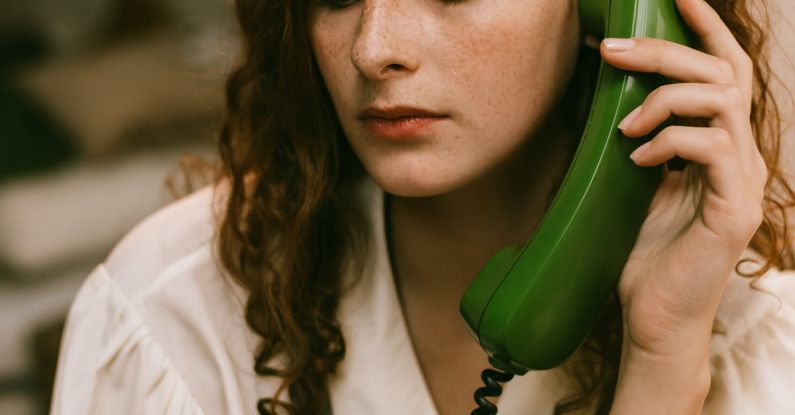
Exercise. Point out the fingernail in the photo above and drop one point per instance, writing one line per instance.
(638, 153)
(627, 121)
(618, 44)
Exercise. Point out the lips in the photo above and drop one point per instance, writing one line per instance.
(395, 112)
(400, 122)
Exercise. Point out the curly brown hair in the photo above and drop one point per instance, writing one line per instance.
(290, 231)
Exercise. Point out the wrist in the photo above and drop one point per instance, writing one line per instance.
(654, 384)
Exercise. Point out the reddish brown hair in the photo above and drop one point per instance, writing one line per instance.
(289, 232)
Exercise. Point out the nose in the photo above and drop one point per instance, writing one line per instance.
(382, 47)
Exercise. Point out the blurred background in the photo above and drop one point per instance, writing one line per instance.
(101, 104)
(100, 101)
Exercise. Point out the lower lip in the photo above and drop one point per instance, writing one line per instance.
(400, 128)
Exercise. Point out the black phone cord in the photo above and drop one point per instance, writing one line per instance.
(492, 378)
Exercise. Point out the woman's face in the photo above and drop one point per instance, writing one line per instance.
(493, 70)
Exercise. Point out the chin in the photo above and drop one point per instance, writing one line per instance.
(423, 173)
(414, 183)
(408, 187)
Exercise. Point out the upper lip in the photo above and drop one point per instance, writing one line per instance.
(397, 111)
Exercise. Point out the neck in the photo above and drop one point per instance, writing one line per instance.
(439, 243)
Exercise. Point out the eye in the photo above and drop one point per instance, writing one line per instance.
(334, 4)
(341, 4)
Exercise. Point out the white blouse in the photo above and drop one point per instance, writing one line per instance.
(157, 328)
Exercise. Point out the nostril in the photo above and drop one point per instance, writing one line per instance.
(392, 67)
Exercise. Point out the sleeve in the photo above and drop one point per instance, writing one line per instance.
(108, 361)
(753, 359)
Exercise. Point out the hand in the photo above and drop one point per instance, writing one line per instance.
(702, 217)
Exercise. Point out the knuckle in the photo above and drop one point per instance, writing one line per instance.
(668, 134)
(663, 95)
(719, 139)
(725, 71)
(732, 96)
(657, 94)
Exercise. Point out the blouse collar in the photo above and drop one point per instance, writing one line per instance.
(381, 372)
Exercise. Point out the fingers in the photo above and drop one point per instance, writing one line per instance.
(716, 84)
(684, 100)
(723, 60)
(711, 147)
(721, 103)
(667, 58)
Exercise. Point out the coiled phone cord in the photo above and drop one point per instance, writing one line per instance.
(492, 378)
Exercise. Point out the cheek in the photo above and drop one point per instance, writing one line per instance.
(511, 69)
(328, 42)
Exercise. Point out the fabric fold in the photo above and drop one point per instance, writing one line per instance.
(109, 363)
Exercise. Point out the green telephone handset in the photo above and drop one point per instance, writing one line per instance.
(532, 306)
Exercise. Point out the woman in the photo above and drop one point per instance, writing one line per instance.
(346, 236)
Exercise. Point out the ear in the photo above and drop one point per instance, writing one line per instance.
(591, 41)
(592, 20)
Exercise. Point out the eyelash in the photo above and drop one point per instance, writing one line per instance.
(341, 4)
(335, 4)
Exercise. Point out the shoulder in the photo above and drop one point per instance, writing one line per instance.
(180, 232)
(157, 324)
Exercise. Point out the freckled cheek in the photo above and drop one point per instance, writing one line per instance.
(335, 69)
(500, 82)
